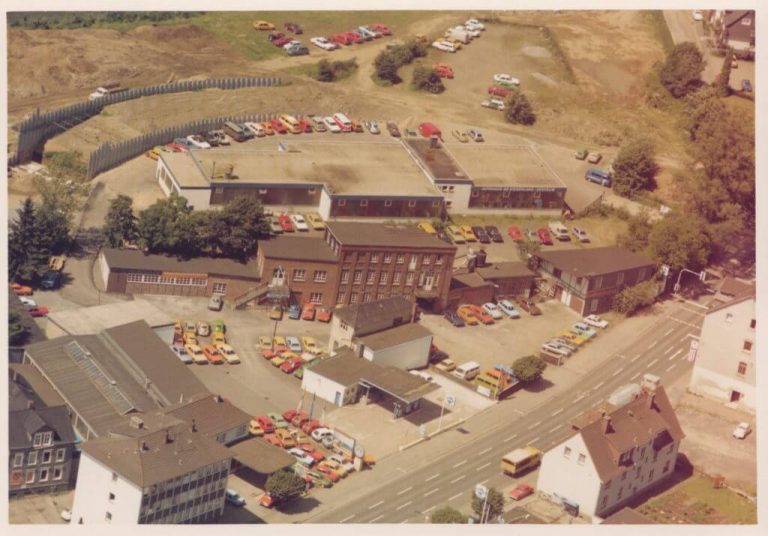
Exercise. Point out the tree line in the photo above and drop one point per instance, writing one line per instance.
(85, 19)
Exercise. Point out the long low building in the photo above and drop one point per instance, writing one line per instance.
(355, 179)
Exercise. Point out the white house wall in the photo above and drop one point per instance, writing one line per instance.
(324, 209)
(326, 389)
(409, 355)
(92, 502)
(567, 479)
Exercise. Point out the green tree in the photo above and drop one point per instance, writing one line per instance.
(529, 368)
(493, 506)
(53, 228)
(17, 332)
(519, 110)
(427, 80)
(448, 515)
(166, 226)
(634, 168)
(633, 298)
(680, 240)
(724, 82)
(386, 67)
(638, 230)
(325, 72)
(27, 256)
(236, 229)
(120, 224)
(681, 71)
(284, 485)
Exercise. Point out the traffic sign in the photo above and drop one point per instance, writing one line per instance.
(423, 430)
(481, 491)
(450, 400)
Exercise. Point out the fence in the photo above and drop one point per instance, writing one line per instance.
(35, 130)
(109, 155)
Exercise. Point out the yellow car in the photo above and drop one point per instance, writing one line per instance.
(468, 234)
(265, 342)
(154, 153)
(454, 234)
(309, 344)
(280, 344)
(190, 337)
(255, 428)
(335, 467)
(427, 227)
(228, 353)
(277, 361)
(467, 316)
(571, 338)
(276, 313)
(285, 438)
(196, 353)
(315, 221)
(217, 337)
(263, 25)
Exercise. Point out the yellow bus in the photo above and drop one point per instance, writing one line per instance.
(291, 123)
(520, 460)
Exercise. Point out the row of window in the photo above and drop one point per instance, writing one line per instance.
(42, 439)
(216, 470)
(366, 297)
(625, 456)
(160, 280)
(30, 476)
(177, 513)
(300, 274)
(620, 492)
(32, 457)
(387, 203)
(399, 258)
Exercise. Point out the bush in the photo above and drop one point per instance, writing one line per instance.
(426, 79)
(634, 168)
(681, 71)
(448, 515)
(386, 67)
(629, 300)
(681, 241)
(332, 71)
(284, 485)
(519, 109)
(529, 368)
(395, 56)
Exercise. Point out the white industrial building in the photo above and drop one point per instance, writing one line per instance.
(405, 347)
(357, 320)
(615, 454)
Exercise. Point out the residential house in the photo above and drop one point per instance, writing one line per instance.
(359, 319)
(735, 29)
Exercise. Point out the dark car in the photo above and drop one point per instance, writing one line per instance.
(444, 237)
(299, 50)
(481, 235)
(453, 318)
(294, 311)
(51, 280)
(528, 306)
(211, 138)
(494, 233)
(274, 36)
(746, 86)
(393, 130)
(293, 27)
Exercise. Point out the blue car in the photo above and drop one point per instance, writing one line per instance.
(746, 86)
(598, 176)
(294, 311)
(453, 318)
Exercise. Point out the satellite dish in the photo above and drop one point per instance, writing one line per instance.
(359, 451)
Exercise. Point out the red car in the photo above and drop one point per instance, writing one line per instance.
(309, 426)
(544, 236)
(268, 354)
(521, 491)
(293, 27)
(323, 315)
(272, 439)
(278, 126)
(176, 147)
(308, 311)
(340, 39)
(382, 29)
(316, 453)
(290, 414)
(299, 419)
(481, 315)
(443, 70)
(306, 126)
(274, 36)
(285, 223)
(266, 424)
(498, 91)
(38, 311)
(21, 290)
(291, 364)
(515, 233)
(355, 37)
(328, 473)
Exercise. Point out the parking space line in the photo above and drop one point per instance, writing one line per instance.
(484, 482)
(598, 386)
(375, 505)
(673, 365)
(404, 490)
(669, 331)
(582, 395)
(375, 519)
(455, 496)
(485, 450)
(652, 363)
(680, 351)
(462, 477)
(556, 428)
(558, 412)
(347, 518)
(460, 464)
(534, 425)
(403, 505)
(510, 438)
(427, 494)
(654, 343)
(636, 358)
(483, 466)
(432, 477)
(635, 376)
(618, 371)
(668, 350)
(429, 509)
(535, 439)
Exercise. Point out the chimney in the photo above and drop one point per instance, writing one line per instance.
(30, 404)
(144, 446)
(606, 424)
(194, 425)
(136, 422)
(218, 398)
(168, 437)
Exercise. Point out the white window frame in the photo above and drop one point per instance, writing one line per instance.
(567, 453)
(409, 277)
(396, 278)
(299, 274)
(364, 203)
(370, 279)
(31, 457)
(344, 277)
(400, 258)
(387, 202)
(358, 278)
(581, 459)
(374, 258)
(383, 278)
(387, 258)
(341, 203)
(37, 440)
(18, 459)
(321, 276)
(316, 297)
(60, 470)
(29, 478)
(219, 288)
(411, 203)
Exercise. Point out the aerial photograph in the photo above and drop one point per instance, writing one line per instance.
(454, 265)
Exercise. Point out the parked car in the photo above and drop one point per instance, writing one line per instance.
(467, 315)
(467, 232)
(291, 364)
(278, 421)
(580, 233)
(278, 126)
(196, 354)
(294, 311)
(528, 306)
(293, 27)
(299, 223)
(545, 237)
(50, 280)
(494, 234)
(427, 227)
(198, 142)
(598, 176)
(263, 25)
(21, 290)
(212, 354)
(555, 349)
(581, 153)
(373, 127)
(508, 308)
(461, 136)
(228, 353)
(393, 130)
(331, 125)
(455, 234)
(276, 313)
(318, 433)
(324, 43)
(506, 79)
(216, 302)
(446, 365)
(445, 46)
(284, 436)
(203, 328)
(443, 70)
(285, 223)
(532, 235)
(323, 315)
(481, 314)
(453, 318)
(309, 344)
(520, 491)
(296, 49)
(217, 337)
(515, 233)
(279, 344)
(420, 374)
(256, 128)
(594, 158)
(746, 86)
(698, 15)
(481, 235)
(498, 91)
(476, 135)
(381, 28)
(28, 303)
(742, 430)
(494, 104)
(493, 310)
(581, 327)
(474, 24)
(234, 498)
(294, 344)
(595, 321)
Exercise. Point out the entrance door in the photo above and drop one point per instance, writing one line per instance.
(337, 399)
(735, 396)
(429, 280)
(278, 276)
(565, 297)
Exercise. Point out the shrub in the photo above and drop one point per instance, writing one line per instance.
(519, 109)
(633, 298)
(426, 79)
(634, 168)
(529, 368)
(681, 71)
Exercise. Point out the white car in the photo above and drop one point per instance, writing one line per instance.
(595, 321)
(291, 44)
(445, 46)
(198, 142)
(493, 310)
(367, 32)
(581, 234)
(742, 430)
(476, 135)
(472, 32)
(301, 456)
(29, 303)
(506, 79)
(300, 223)
(319, 433)
(474, 24)
(554, 349)
(294, 344)
(257, 129)
(421, 374)
(509, 309)
(697, 14)
(581, 327)
(373, 127)
(331, 125)
(322, 42)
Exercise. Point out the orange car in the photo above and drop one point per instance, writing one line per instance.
(212, 354)
(466, 314)
(308, 311)
(268, 130)
(21, 290)
(484, 317)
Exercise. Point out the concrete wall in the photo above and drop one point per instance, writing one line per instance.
(406, 356)
(326, 389)
(94, 484)
(325, 205)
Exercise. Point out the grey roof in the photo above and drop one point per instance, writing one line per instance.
(260, 456)
(595, 261)
(39, 388)
(297, 248)
(467, 279)
(90, 320)
(212, 414)
(505, 270)
(376, 315)
(23, 424)
(395, 336)
(384, 235)
(133, 260)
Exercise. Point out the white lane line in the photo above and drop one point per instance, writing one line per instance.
(636, 357)
(375, 519)
(432, 477)
(673, 365)
(484, 451)
(582, 395)
(462, 477)
(665, 352)
(460, 464)
(680, 351)
(669, 331)
(427, 494)
(403, 522)
(534, 425)
(691, 335)
(347, 518)
(403, 505)
(375, 505)
(483, 466)
(598, 386)
(484, 482)
(558, 412)
(654, 343)
(535, 439)
(404, 490)
(618, 371)
(429, 509)
(510, 438)
(635, 376)
(652, 363)
(694, 326)
(455, 496)
(556, 428)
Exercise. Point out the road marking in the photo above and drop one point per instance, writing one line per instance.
(484, 451)
(402, 522)
(427, 494)
(556, 428)
(520, 412)
(598, 386)
(457, 479)
(535, 439)
(673, 365)
(635, 376)
(375, 519)
(680, 351)
(668, 350)
(668, 332)
(432, 477)
(636, 358)
(654, 343)
(460, 464)
(652, 363)
(619, 371)
(534, 425)
(558, 412)
(375, 505)
(404, 490)
(484, 482)
(347, 518)
(483, 466)
(691, 335)
(510, 438)
(694, 326)
(403, 505)
(582, 395)
(455, 496)
(429, 509)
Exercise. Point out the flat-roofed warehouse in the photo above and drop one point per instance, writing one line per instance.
(482, 177)
(337, 178)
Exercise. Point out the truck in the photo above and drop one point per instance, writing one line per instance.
(108, 89)
(459, 33)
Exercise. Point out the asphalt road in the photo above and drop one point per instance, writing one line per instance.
(410, 497)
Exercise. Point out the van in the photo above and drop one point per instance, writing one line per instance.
(234, 131)
(291, 123)
(559, 230)
(598, 176)
(467, 371)
(343, 121)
